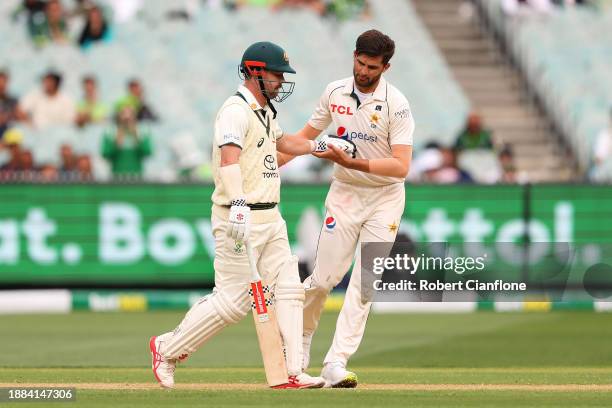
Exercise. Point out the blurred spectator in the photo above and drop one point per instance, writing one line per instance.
(80, 9)
(48, 173)
(523, 8)
(84, 172)
(447, 172)
(508, 167)
(48, 106)
(68, 167)
(35, 14)
(602, 154)
(50, 27)
(12, 143)
(425, 160)
(474, 136)
(317, 6)
(90, 109)
(127, 147)
(571, 3)
(8, 104)
(135, 99)
(27, 170)
(340, 9)
(348, 9)
(96, 28)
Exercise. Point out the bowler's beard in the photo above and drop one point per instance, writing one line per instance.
(367, 83)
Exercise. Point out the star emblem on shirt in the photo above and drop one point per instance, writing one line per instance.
(393, 227)
(374, 118)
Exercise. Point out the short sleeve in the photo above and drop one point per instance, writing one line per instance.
(232, 126)
(27, 102)
(321, 117)
(277, 130)
(69, 110)
(402, 125)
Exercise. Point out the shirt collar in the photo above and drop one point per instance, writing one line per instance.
(380, 93)
(250, 99)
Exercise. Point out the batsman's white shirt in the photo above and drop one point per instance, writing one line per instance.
(374, 126)
(244, 123)
(360, 207)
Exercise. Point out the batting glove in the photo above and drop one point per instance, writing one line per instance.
(239, 220)
(346, 145)
(319, 146)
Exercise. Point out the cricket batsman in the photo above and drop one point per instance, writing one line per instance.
(366, 199)
(245, 209)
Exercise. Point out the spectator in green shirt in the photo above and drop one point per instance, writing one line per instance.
(50, 26)
(128, 146)
(90, 109)
(474, 136)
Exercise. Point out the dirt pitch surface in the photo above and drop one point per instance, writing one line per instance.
(377, 387)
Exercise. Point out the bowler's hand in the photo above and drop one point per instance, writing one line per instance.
(335, 154)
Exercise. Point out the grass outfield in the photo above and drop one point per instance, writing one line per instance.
(480, 359)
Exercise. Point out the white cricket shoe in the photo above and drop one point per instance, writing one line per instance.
(163, 368)
(301, 381)
(316, 382)
(337, 376)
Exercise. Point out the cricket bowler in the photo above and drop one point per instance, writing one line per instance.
(365, 201)
(245, 209)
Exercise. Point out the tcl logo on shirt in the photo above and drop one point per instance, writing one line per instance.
(342, 110)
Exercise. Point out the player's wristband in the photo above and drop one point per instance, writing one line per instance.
(231, 177)
(313, 146)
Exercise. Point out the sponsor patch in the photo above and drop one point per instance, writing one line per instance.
(231, 138)
(341, 109)
(270, 162)
(393, 227)
(350, 135)
(330, 223)
(403, 114)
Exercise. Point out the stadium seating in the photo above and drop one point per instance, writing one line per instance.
(567, 57)
(189, 67)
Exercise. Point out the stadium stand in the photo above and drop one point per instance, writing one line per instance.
(566, 56)
(189, 66)
(496, 91)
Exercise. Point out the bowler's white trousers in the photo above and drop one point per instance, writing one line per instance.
(358, 214)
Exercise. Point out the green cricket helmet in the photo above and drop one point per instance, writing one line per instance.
(267, 56)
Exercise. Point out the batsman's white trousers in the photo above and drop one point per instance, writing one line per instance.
(354, 214)
(229, 302)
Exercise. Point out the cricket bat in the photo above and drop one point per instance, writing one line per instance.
(266, 325)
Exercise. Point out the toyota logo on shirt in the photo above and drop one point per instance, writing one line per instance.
(270, 162)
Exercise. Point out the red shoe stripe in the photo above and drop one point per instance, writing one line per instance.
(155, 358)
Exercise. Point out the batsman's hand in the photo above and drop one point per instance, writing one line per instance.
(239, 221)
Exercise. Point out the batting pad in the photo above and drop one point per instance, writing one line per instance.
(289, 310)
(205, 319)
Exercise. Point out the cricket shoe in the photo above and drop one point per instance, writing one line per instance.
(163, 368)
(301, 381)
(337, 376)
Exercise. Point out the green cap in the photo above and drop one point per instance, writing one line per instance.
(266, 55)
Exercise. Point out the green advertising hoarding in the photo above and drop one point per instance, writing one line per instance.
(144, 234)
